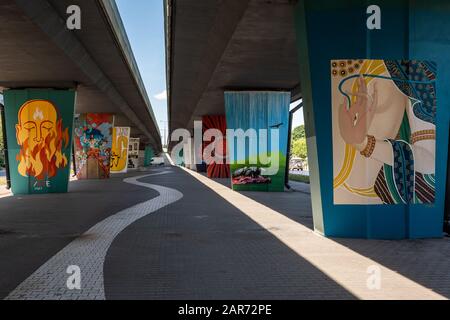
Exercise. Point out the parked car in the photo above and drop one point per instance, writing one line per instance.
(296, 165)
(158, 161)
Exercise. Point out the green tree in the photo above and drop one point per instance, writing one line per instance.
(299, 148)
(299, 133)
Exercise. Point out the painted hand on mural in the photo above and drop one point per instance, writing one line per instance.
(355, 121)
(389, 115)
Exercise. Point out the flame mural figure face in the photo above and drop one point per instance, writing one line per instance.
(41, 137)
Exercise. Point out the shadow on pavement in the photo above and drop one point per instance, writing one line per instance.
(34, 228)
(202, 247)
(294, 205)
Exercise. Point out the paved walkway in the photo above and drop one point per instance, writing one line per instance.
(4, 192)
(299, 173)
(300, 187)
(212, 243)
(88, 252)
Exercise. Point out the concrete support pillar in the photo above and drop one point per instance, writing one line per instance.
(198, 158)
(149, 155)
(217, 167)
(39, 125)
(189, 153)
(93, 144)
(263, 117)
(384, 178)
(119, 152)
(133, 153)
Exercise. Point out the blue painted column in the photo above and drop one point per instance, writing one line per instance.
(260, 164)
(408, 61)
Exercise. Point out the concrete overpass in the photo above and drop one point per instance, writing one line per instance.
(245, 48)
(38, 51)
(214, 46)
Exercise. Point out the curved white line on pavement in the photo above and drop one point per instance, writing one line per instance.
(89, 251)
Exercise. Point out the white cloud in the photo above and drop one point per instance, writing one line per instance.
(161, 96)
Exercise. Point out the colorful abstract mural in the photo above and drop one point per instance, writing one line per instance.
(120, 145)
(384, 131)
(264, 118)
(39, 130)
(214, 169)
(93, 143)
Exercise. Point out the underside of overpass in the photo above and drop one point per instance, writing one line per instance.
(167, 232)
(39, 51)
(215, 46)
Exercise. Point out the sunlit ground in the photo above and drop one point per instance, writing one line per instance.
(347, 267)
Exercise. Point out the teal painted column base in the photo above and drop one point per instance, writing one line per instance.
(39, 131)
(148, 157)
(379, 161)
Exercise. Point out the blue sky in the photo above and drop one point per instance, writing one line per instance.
(144, 23)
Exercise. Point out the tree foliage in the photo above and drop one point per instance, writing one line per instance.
(299, 133)
(299, 148)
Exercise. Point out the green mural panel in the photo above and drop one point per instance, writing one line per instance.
(148, 158)
(39, 126)
(258, 111)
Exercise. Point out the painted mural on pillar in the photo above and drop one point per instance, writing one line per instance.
(39, 128)
(148, 157)
(215, 170)
(384, 131)
(93, 143)
(264, 117)
(119, 154)
(133, 153)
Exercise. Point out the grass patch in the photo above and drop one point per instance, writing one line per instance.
(299, 178)
(2, 181)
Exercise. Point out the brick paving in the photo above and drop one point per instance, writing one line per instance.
(35, 228)
(88, 252)
(4, 192)
(217, 244)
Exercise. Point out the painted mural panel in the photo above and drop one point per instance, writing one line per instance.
(264, 116)
(39, 131)
(214, 169)
(148, 157)
(93, 143)
(133, 153)
(119, 154)
(384, 131)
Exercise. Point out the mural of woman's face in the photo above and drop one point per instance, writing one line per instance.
(391, 97)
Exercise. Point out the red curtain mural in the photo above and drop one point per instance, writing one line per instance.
(215, 170)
